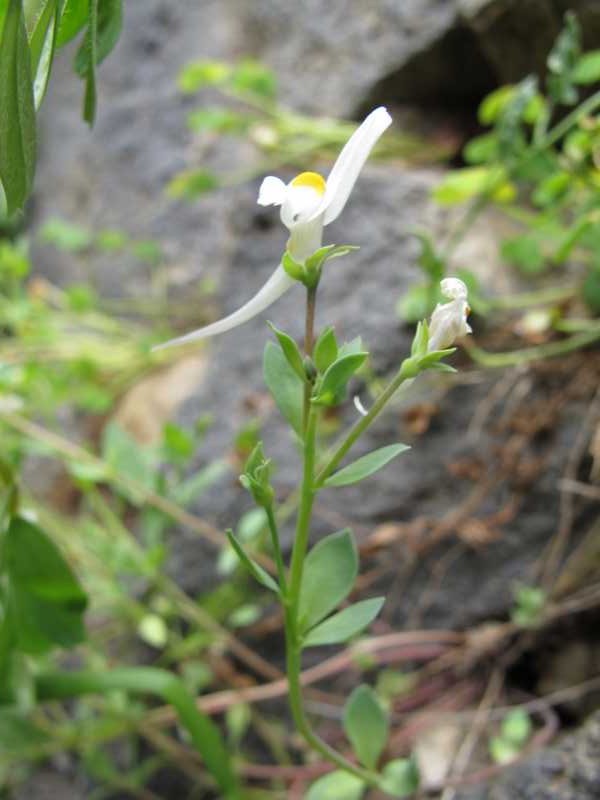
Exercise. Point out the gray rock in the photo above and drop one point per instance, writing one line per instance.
(569, 770)
(339, 58)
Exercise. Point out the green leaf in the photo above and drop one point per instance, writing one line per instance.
(524, 252)
(366, 465)
(86, 64)
(257, 572)
(587, 68)
(482, 149)
(219, 120)
(192, 183)
(66, 235)
(337, 785)
(108, 30)
(345, 624)
(400, 777)
(285, 386)
(17, 116)
(562, 61)
(337, 376)
(494, 104)
(42, 43)
(290, 350)
(199, 74)
(366, 725)
(46, 601)
(329, 573)
(252, 76)
(461, 185)
(516, 727)
(502, 750)
(73, 18)
(326, 349)
(105, 20)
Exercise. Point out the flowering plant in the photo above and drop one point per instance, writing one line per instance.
(316, 582)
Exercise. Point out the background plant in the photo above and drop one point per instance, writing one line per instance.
(538, 165)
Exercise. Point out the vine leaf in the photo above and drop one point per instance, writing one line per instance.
(17, 118)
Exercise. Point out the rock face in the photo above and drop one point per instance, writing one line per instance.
(337, 57)
(567, 771)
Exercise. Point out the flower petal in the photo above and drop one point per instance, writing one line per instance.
(278, 283)
(271, 192)
(454, 288)
(350, 161)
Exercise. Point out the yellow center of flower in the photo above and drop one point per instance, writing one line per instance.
(311, 179)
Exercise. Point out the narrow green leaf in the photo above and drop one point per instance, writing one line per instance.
(337, 376)
(290, 350)
(108, 29)
(326, 349)
(257, 572)
(284, 385)
(366, 725)
(329, 573)
(42, 43)
(17, 111)
(345, 624)
(337, 785)
(366, 465)
(90, 60)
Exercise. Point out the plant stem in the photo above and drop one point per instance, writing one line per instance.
(292, 599)
(292, 633)
(362, 424)
(277, 549)
(549, 350)
(309, 337)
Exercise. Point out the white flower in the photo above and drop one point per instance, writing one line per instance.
(449, 320)
(308, 203)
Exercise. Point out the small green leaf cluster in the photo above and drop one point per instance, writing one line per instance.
(31, 32)
(366, 726)
(309, 273)
(529, 605)
(330, 571)
(515, 731)
(421, 358)
(327, 373)
(256, 477)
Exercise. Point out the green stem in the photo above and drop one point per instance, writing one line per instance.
(292, 633)
(549, 350)
(204, 733)
(559, 130)
(363, 423)
(277, 549)
(309, 336)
